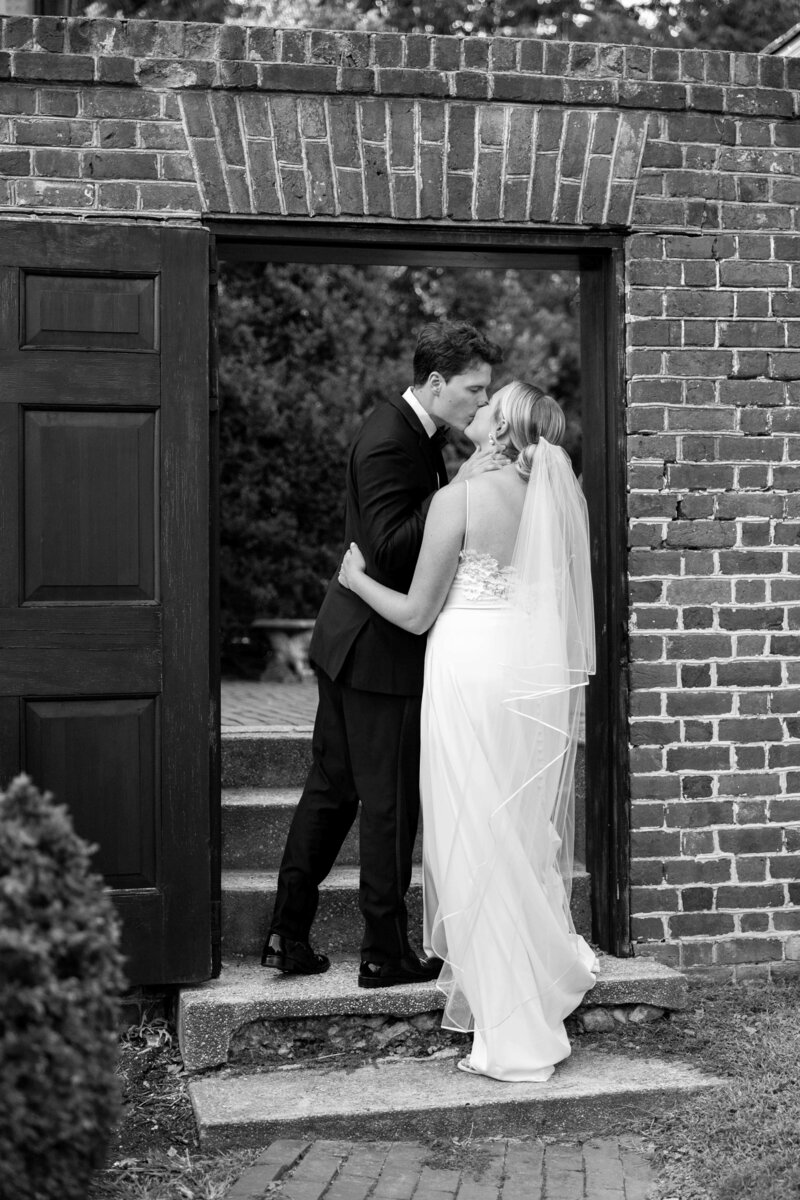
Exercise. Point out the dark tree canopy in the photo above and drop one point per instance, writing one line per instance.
(705, 24)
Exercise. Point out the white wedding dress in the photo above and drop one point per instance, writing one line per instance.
(500, 711)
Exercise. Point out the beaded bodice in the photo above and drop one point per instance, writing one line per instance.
(480, 577)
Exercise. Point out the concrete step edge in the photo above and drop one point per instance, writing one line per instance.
(263, 733)
(260, 797)
(411, 1098)
(344, 878)
(210, 1013)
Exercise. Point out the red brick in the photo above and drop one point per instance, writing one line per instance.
(264, 177)
(699, 702)
(467, 85)
(529, 89)
(654, 843)
(405, 82)
(301, 77)
(696, 787)
(459, 197)
(349, 186)
(698, 646)
(488, 184)
(176, 197)
(357, 80)
(40, 193)
(58, 67)
(785, 866)
(654, 899)
(15, 162)
(656, 617)
(431, 204)
(697, 899)
(646, 872)
(419, 50)
(682, 871)
(700, 924)
(293, 184)
(447, 53)
(293, 46)
(648, 928)
(698, 758)
(786, 921)
(697, 955)
(697, 814)
(701, 533)
(743, 950)
(655, 787)
(119, 164)
(36, 132)
(117, 196)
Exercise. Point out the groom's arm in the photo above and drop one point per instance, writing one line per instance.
(392, 512)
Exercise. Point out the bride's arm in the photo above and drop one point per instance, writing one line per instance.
(436, 566)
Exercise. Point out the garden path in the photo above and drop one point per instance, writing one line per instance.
(607, 1168)
(251, 704)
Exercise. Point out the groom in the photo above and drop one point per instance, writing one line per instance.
(365, 747)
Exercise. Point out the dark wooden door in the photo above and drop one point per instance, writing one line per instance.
(104, 574)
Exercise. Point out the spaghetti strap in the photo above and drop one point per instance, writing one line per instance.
(466, 523)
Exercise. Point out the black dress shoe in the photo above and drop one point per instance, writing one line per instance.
(293, 958)
(408, 969)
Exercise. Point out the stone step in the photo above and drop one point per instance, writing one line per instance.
(265, 758)
(591, 1093)
(280, 758)
(212, 1014)
(248, 898)
(255, 822)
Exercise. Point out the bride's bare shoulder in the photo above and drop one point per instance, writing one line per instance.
(496, 483)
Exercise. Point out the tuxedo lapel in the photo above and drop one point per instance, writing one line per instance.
(429, 446)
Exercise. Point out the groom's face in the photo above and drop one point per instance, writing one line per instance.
(462, 395)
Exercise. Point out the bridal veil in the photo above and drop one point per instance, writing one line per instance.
(505, 684)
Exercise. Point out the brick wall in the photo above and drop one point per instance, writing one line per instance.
(696, 156)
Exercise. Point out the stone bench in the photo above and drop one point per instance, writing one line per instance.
(288, 639)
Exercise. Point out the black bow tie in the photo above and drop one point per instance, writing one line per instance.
(439, 439)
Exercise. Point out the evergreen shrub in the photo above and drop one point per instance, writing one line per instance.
(60, 981)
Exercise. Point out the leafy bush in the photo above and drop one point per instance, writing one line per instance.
(60, 977)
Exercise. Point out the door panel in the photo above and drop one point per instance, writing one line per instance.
(89, 313)
(89, 516)
(100, 758)
(104, 576)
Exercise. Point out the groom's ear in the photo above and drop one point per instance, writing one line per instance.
(435, 382)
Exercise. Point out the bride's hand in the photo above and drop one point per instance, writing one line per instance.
(490, 459)
(352, 564)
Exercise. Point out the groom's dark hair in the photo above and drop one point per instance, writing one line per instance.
(451, 347)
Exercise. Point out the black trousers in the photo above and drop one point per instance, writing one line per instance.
(365, 749)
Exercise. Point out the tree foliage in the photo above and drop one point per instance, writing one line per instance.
(705, 24)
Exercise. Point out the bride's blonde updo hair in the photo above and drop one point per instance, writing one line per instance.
(530, 414)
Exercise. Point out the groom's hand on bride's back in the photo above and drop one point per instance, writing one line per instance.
(478, 463)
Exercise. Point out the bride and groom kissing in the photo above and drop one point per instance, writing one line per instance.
(479, 716)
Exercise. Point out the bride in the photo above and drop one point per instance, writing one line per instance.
(503, 578)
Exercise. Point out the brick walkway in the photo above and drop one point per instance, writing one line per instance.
(251, 705)
(610, 1168)
(248, 704)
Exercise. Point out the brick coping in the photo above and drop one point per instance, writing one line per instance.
(193, 55)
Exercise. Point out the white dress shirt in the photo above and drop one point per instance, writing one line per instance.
(428, 423)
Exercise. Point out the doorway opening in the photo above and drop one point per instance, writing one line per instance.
(315, 330)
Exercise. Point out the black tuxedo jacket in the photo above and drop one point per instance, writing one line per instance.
(392, 474)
